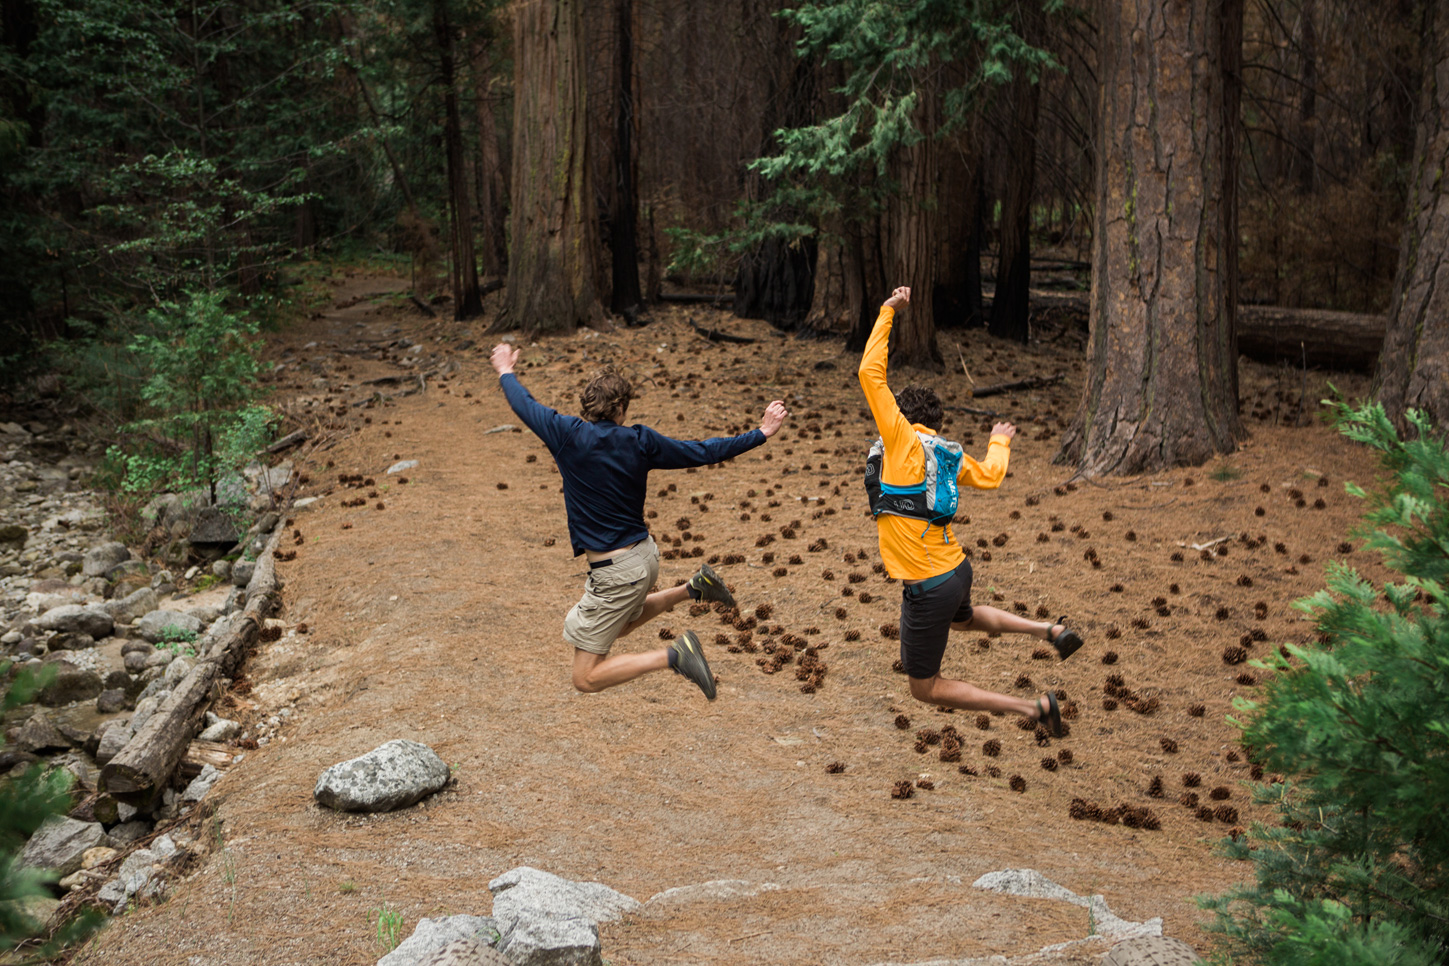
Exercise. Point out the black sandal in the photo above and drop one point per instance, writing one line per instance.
(1067, 641)
(1053, 716)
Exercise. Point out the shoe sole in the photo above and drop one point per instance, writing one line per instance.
(715, 586)
(692, 663)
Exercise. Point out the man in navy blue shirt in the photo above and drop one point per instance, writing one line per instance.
(605, 468)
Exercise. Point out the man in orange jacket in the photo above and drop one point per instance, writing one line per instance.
(912, 476)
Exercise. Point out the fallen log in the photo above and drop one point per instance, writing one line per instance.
(142, 769)
(1315, 337)
(199, 754)
(715, 335)
(1035, 382)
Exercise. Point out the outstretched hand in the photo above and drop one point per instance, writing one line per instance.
(504, 358)
(1003, 429)
(774, 417)
(901, 296)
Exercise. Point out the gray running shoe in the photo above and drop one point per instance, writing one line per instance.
(710, 586)
(690, 662)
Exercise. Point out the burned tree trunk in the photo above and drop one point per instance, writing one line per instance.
(467, 300)
(1413, 371)
(1162, 385)
(1011, 302)
(623, 214)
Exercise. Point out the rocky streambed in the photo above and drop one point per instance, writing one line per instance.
(113, 634)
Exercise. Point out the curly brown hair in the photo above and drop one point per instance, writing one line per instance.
(920, 404)
(607, 396)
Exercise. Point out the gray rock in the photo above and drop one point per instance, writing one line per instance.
(33, 911)
(162, 509)
(402, 465)
(221, 569)
(71, 684)
(100, 559)
(77, 619)
(72, 642)
(130, 831)
(201, 784)
(153, 626)
(266, 523)
(213, 525)
(394, 775)
(527, 891)
(118, 680)
(137, 878)
(160, 658)
(13, 535)
(544, 941)
(467, 952)
(176, 671)
(135, 661)
(112, 700)
(141, 646)
(241, 572)
(112, 737)
(221, 730)
(1151, 951)
(433, 935)
(1031, 883)
(39, 734)
(133, 606)
(60, 844)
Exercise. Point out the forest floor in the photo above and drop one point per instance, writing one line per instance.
(432, 612)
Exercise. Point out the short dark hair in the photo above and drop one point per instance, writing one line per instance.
(607, 396)
(920, 404)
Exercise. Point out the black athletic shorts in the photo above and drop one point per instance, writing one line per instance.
(926, 618)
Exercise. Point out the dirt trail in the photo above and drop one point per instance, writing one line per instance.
(433, 612)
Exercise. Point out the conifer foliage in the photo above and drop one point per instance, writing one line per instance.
(1358, 871)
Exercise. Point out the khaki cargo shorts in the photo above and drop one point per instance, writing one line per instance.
(613, 597)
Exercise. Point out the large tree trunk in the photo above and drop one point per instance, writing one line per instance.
(553, 260)
(913, 231)
(776, 280)
(491, 186)
(956, 296)
(623, 200)
(467, 300)
(1162, 387)
(1413, 369)
(1011, 303)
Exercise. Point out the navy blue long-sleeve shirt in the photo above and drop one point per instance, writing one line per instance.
(605, 466)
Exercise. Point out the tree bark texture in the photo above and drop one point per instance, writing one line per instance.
(956, 296)
(490, 181)
(467, 300)
(912, 230)
(624, 297)
(553, 259)
(1162, 385)
(1011, 302)
(1413, 370)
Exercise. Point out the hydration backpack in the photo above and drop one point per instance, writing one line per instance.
(933, 499)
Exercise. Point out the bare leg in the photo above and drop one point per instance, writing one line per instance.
(949, 693)
(658, 603)
(993, 620)
(595, 672)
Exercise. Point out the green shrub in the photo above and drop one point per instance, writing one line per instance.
(199, 420)
(1358, 869)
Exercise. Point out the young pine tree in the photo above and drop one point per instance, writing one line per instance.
(1358, 870)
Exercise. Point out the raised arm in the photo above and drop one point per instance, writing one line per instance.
(893, 427)
(545, 422)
